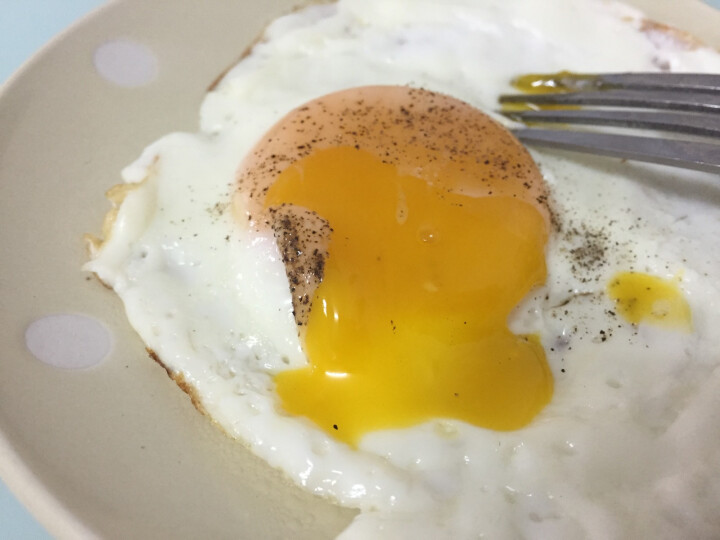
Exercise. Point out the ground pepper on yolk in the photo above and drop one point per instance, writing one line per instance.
(428, 218)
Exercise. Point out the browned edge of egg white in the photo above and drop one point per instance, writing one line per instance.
(680, 38)
(179, 379)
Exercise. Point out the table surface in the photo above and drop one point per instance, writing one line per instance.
(25, 26)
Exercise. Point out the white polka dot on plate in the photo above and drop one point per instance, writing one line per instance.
(126, 63)
(68, 340)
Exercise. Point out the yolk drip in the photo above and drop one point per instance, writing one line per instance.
(434, 230)
(650, 299)
(548, 83)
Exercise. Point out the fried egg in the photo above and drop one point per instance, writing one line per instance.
(356, 271)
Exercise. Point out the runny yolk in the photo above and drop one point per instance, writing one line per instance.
(410, 320)
(644, 298)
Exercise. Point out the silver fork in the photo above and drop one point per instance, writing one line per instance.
(677, 103)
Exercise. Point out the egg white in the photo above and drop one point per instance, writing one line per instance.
(628, 447)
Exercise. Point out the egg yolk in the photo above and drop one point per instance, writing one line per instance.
(424, 265)
(644, 298)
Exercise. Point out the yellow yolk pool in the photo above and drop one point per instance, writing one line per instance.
(644, 298)
(409, 321)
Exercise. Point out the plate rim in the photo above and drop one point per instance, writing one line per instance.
(14, 471)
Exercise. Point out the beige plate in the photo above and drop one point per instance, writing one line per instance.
(116, 450)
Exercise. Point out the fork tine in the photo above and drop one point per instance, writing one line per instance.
(694, 82)
(688, 82)
(693, 124)
(659, 91)
(686, 154)
(681, 101)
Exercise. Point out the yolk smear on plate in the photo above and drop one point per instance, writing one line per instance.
(424, 263)
(649, 299)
